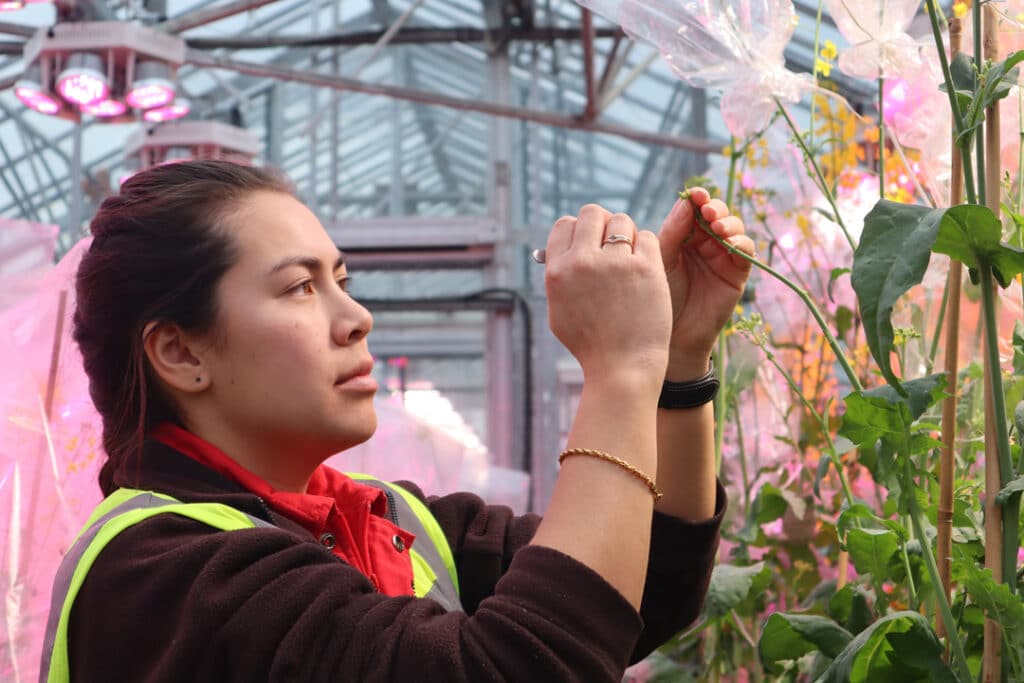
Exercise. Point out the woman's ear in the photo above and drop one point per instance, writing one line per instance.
(174, 357)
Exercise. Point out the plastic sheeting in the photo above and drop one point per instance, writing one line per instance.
(50, 445)
(735, 46)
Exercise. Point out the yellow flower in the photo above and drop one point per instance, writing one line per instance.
(960, 9)
(802, 222)
(822, 67)
(739, 310)
(829, 52)
(727, 151)
(871, 134)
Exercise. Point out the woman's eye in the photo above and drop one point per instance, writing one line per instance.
(304, 287)
(343, 283)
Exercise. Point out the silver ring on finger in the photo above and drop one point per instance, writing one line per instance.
(539, 255)
(617, 238)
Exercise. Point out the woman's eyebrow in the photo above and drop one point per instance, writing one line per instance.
(310, 263)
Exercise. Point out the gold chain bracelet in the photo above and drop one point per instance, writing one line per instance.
(608, 457)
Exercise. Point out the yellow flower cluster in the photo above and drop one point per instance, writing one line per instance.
(823, 62)
(960, 9)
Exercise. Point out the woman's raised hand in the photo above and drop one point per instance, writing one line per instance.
(608, 299)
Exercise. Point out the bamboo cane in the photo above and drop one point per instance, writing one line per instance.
(991, 662)
(947, 461)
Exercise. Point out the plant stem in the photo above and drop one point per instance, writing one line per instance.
(979, 142)
(934, 350)
(881, 137)
(954, 105)
(910, 575)
(956, 645)
(847, 491)
(844, 362)
(743, 461)
(1011, 511)
(817, 47)
(1020, 159)
(822, 185)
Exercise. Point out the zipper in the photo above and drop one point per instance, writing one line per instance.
(392, 512)
(266, 510)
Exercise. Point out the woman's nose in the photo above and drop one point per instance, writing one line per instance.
(352, 323)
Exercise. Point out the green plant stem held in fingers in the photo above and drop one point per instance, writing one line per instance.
(844, 362)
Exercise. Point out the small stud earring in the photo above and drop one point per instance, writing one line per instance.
(198, 380)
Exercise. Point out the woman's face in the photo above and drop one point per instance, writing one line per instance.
(288, 360)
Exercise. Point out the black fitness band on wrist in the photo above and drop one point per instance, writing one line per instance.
(676, 395)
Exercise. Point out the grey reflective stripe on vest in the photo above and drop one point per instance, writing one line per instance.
(444, 590)
(62, 580)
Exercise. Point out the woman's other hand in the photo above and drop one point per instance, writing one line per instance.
(704, 279)
(608, 303)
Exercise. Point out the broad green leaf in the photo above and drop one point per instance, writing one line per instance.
(859, 514)
(849, 607)
(881, 413)
(791, 636)
(1018, 348)
(894, 252)
(871, 550)
(892, 257)
(972, 234)
(1012, 487)
(873, 657)
(730, 585)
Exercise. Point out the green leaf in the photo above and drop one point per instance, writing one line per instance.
(1012, 487)
(972, 234)
(881, 413)
(995, 83)
(999, 604)
(791, 636)
(849, 607)
(769, 505)
(832, 277)
(871, 550)
(874, 656)
(894, 252)
(730, 585)
(844, 320)
(1018, 348)
(892, 257)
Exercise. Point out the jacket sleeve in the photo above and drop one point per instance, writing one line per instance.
(171, 599)
(484, 539)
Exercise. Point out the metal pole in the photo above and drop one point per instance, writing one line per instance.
(200, 58)
(75, 209)
(207, 15)
(587, 33)
(498, 359)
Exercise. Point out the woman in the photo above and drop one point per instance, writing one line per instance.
(228, 361)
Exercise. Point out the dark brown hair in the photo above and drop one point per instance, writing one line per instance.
(159, 250)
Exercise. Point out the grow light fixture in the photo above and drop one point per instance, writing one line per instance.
(105, 108)
(152, 86)
(83, 81)
(103, 67)
(33, 93)
(175, 110)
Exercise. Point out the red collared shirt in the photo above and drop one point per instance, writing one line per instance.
(347, 517)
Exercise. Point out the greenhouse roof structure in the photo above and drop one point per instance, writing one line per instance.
(436, 139)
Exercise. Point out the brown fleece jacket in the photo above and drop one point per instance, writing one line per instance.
(172, 599)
